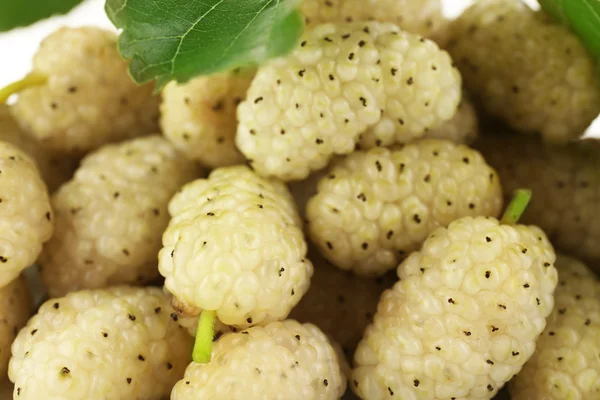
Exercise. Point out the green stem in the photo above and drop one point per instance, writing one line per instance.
(517, 206)
(31, 80)
(204, 337)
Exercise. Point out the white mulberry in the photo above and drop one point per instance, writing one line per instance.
(526, 69)
(89, 98)
(422, 90)
(565, 364)
(15, 309)
(374, 207)
(565, 182)
(423, 17)
(111, 215)
(26, 217)
(199, 117)
(464, 317)
(304, 108)
(118, 343)
(54, 169)
(280, 361)
(235, 245)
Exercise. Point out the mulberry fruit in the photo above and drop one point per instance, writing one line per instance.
(464, 317)
(235, 246)
(199, 117)
(118, 343)
(111, 215)
(526, 69)
(88, 98)
(375, 207)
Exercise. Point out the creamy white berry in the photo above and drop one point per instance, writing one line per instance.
(422, 90)
(566, 187)
(373, 208)
(424, 17)
(526, 69)
(111, 215)
(118, 343)
(199, 117)
(565, 364)
(54, 169)
(26, 217)
(89, 98)
(464, 317)
(304, 108)
(235, 245)
(15, 309)
(282, 360)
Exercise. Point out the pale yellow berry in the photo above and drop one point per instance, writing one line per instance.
(89, 98)
(199, 117)
(526, 69)
(464, 317)
(111, 215)
(373, 208)
(566, 363)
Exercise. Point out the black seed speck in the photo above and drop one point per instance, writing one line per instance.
(56, 305)
(258, 100)
(297, 337)
(416, 382)
(249, 320)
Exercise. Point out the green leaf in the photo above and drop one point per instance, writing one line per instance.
(581, 16)
(181, 39)
(18, 13)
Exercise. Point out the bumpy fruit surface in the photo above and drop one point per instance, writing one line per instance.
(89, 98)
(282, 360)
(111, 215)
(235, 245)
(526, 69)
(422, 90)
(373, 208)
(26, 217)
(15, 308)
(199, 117)
(416, 16)
(464, 317)
(565, 182)
(303, 109)
(339, 303)
(54, 169)
(117, 343)
(565, 364)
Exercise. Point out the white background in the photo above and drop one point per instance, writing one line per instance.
(18, 46)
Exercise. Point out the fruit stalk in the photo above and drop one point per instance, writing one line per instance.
(517, 206)
(204, 337)
(32, 79)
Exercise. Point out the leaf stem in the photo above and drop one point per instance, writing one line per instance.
(204, 337)
(31, 80)
(517, 206)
